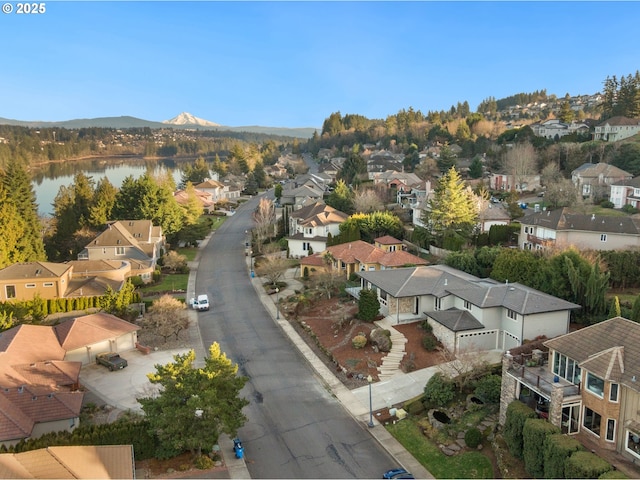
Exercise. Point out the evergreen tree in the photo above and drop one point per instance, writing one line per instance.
(203, 402)
(635, 310)
(341, 198)
(104, 200)
(196, 173)
(475, 169)
(259, 174)
(193, 209)
(614, 310)
(12, 230)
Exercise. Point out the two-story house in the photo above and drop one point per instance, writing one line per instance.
(136, 241)
(588, 384)
(554, 128)
(561, 228)
(359, 256)
(467, 312)
(617, 128)
(625, 192)
(593, 180)
(310, 227)
(23, 281)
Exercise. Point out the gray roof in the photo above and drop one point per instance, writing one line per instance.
(634, 182)
(441, 281)
(609, 349)
(562, 219)
(456, 320)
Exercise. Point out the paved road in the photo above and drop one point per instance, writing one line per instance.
(295, 428)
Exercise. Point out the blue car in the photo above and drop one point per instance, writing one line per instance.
(396, 473)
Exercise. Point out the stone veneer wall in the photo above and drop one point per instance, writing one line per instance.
(508, 389)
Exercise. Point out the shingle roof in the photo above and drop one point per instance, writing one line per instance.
(633, 182)
(360, 251)
(29, 270)
(562, 219)
(456, 320)
(620, 121)
(89, 329)
(387, 240)
(609, 349)
(600, 169)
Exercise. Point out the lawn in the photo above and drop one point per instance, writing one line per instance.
(169, 283)
(471, 464)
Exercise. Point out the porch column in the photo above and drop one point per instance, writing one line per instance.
(555, 405)
(508, 389)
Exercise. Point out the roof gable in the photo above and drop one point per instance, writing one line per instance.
(89, 329)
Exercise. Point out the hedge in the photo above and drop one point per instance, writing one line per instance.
(534, 433)
(557, 448)
(585, 465)
(517, 414)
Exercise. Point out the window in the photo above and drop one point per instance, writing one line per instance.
(603, 237)
(613, 392)
(437, 303)
(48, 284)
(392, 248)
(343, 265)
(119, 250)
(591, 421)
(611, 430)
(10, 291)
(633, 443)
(595, 385)
(30, 285)
(566, 368)
(308, 231)
(305, 246)
(511, 314)
(467, 305)
(383, 298)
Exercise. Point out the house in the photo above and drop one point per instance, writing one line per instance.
(492, 214)
(299, 195)
(561, 228)
(358, 256)
(554, 129)
(506, 182)
(625, 192)
(40, 367)
(588, 384)
(310, 226)
(617, 128)
(136, 241)
(204, 197)
(467, 312)
(23, 281)
(593, 180)
(397, 180)
(82, 462)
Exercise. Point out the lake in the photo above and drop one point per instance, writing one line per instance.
(47, 180)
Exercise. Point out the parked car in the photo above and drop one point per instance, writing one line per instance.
(396, 473)
(111, 360)
(200, 303)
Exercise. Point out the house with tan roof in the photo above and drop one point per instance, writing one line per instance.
(617, 128)
(594, 180)
(205, 198)
(358, 256)
(466, 313)
(586, 382)
(310, 227)
(81, 462)
(136, 241)
(40, 368)
(562, 228)
(25, 280)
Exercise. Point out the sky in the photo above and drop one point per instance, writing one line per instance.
(292, 64)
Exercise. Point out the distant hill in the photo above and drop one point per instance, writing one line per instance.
(133, 122)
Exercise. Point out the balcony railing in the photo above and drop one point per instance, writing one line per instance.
(540, 241)
(543, 380)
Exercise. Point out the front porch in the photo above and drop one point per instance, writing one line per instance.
(397, 318)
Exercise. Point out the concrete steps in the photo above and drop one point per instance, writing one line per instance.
(391, 362)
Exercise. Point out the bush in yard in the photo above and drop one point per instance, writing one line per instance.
(429, 342)
(426, 326)
(557, 448)
(439, 391)
(473, 437)
(613, 474)
(534, 433)
(517, 414)
(585, 465)
(381, 338)
(488, 388)
(359, 341)
(368, 305)
(202, 462)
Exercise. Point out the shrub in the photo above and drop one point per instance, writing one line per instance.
(429, 342)
(613, 474)
(426, 326)
(585, 465)
(359, 341)
(534, 433)
(381, 338)
(517, 414)
(606, 204)
(415, 408)
(557, 448)
(473, 438)
(202, 462)
(368, 305)
(488, 388)
(439, 391)
(629, 209)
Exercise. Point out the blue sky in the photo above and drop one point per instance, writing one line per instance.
(291, 64)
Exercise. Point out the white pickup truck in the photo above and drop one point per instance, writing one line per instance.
(200, 303)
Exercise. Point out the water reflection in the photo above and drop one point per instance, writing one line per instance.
(48, 179)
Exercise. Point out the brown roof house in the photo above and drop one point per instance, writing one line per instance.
(588, 384)
(359, 256)
(40, 368)
(82, 462)
(310, 226)
(561, 228)
(594, 180)
(466, 312)
(204, 197)
(138, 242)
(23, 281)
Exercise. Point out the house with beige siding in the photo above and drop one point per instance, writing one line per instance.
(594, 180)
(24, 281)
(466, 312)
(587, 382)
(561, 228)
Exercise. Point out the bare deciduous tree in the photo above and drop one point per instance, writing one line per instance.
(520, 162)
(463, 368)
(264, 218)
(367, 200)
(173, 260)
(167, 316)
(272, 267)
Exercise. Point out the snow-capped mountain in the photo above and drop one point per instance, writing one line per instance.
(187, 119)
